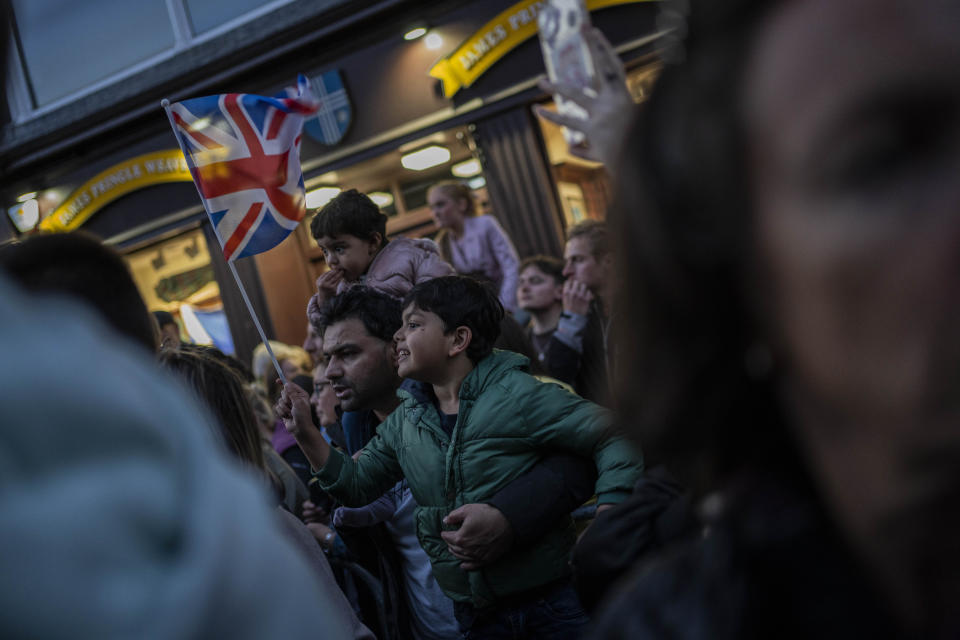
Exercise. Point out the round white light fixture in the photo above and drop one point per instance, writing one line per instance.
(433, 41)
(466, 169)
(321, 196)
(381, 198)
(25, 215)
(476, 183)
(413, 34)
(425, 158)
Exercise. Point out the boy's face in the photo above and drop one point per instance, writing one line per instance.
(537, 291)
(422, 346)
(348, 254)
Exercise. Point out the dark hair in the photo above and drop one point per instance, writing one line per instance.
(513, 337)
(549, 265)
(223, 393)
(595, 231)
(240, 369)
(163, 318)
(461, 301)
(80, 265)
(351, 213)
(379, 312)
(683, 228)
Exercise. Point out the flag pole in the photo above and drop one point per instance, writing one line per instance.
(243, 292)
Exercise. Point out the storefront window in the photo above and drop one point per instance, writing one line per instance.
(583, 187)
(176, 275)
(205, 15)
(114, 39)
(107, 35)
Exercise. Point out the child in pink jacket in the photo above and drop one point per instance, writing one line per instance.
(352, 232)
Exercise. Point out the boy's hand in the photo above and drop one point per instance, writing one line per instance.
(576, 297)
(484, 535)
(293, 407)
(327, 284)
(312, 513)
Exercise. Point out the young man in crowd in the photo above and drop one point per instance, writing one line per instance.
(579, 350)
(540, 293)
(469, 422)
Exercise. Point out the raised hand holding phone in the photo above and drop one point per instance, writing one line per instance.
(567, 57)
(605, 101)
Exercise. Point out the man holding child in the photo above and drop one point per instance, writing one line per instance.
(469, 422)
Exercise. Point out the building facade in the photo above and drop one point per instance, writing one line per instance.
(87, 146)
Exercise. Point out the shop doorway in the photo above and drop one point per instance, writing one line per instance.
(177, 275)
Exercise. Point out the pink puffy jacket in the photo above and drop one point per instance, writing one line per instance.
(402, 263)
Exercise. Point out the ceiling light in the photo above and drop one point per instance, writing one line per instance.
(433, 41)
(25, 215)
(381, 198)
(415, 33)
(425, 158)
(321, 196)
(477, 182)
(466, 169)
(27, 196)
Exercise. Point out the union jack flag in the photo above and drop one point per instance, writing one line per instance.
(244, 153)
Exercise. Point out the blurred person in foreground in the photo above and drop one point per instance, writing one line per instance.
(116, 498)
(216, 385)
(790, 222)
(80, 266)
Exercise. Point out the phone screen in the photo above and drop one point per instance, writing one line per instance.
(566, 54)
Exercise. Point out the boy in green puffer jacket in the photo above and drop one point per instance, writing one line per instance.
(476, 421)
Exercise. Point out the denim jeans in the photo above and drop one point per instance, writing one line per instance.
(556, 614)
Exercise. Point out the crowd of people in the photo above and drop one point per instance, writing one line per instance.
(729, 411)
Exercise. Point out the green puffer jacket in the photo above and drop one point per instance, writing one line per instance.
(506, 420)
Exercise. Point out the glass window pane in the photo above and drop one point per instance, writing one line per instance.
(69, 45)
(207, 14)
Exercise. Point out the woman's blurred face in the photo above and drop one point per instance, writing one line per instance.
(448, 212)
(323, 398)
(852, 112)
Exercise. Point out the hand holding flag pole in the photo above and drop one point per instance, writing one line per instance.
(243, 151)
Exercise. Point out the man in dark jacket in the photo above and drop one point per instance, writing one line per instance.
(579, 351)
(358, 326)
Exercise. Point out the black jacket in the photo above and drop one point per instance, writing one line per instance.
(770, 566)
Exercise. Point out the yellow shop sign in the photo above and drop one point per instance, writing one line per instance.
(494, 40)
(105, 187)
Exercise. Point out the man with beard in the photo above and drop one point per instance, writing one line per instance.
(357, 327)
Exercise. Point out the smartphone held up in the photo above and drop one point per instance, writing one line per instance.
(566, 55)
